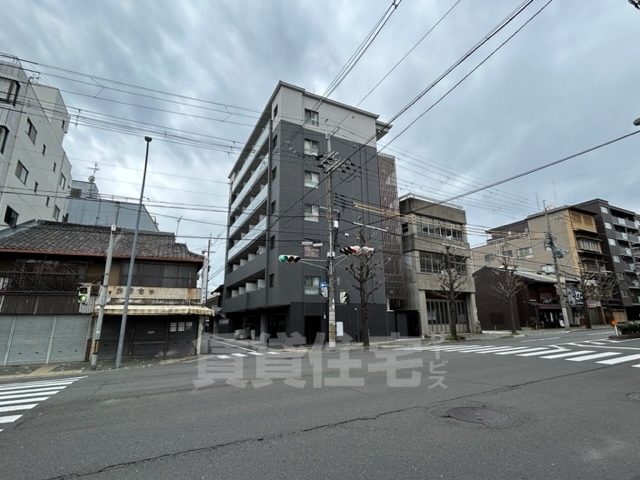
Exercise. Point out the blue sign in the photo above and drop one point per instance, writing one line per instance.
(323, 284)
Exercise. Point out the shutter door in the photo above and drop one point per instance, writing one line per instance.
(70, 338)
(30, 341)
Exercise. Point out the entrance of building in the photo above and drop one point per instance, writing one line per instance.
(312, 326)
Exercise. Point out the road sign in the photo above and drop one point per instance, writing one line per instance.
(323, 284)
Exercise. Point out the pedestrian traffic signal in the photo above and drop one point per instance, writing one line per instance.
(83, 294)
(289, 258)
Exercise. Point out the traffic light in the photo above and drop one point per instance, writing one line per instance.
(352, 250)
(289, 258)
(83, 294)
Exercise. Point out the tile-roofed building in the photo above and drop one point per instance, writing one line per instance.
(73, 239)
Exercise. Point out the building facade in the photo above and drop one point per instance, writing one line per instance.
(428, 228)
(43, 266)
(35, 172)
(277, 206)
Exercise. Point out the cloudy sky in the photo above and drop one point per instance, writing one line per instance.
(195, 75)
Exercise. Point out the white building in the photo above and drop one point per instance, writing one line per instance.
(35, 173)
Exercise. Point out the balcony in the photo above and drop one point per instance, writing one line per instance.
(624, 222)
(250, 158)
(251, 210)
(248, 239)
(255, 176)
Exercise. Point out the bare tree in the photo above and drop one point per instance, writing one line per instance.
(363, 270)
(508, 287)
(597, 286)
(453, 279)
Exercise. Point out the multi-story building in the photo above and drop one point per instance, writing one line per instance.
(277, 206)
(590, 240)
(87, 207)
(428, 229)
(35, 173)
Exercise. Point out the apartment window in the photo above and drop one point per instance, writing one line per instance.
(526, 252)
(311, 179)
(311, 117)
(64, 124)
(47, 202)
(311, 252)
(311, 285)
(616, 258)
(44, 148)
(272, 211)
(405, 227)
(272, 280)
(63, 181)
(10, 216)
(587, 244)
(273, 173)
(604, 210)
(274, 143)
(21, 172)
(9, 90)
(548, 269)
(55, 165)
(624, 293)
(489, 258)
(273, 242)
(432, 262)
(612, 241)
(310, 147)
(507, 253)
(56, 213)
(620, 276)
(31, 131)
(311, 213)
(607, 225)
(35, 187)
(275, 111)
(4, 134)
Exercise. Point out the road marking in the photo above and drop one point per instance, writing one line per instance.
(497, 349)
(257, 354)
(540, 339)
(520, 350)
(9, 418)
(238, 354)
(23, 400)
(591, 357)
(27, 395)
(615, 361)
(15, 408)
(568, 354)
(272, 353)
(544, 352)
(223, 356)
(636, 366)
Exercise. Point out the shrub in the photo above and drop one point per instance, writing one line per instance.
(629, 328)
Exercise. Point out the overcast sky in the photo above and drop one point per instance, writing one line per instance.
(195, 75)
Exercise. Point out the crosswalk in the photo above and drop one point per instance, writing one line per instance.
(17, 398)
(247, 353)
(575, 352)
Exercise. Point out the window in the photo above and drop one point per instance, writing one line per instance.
(624, 293)
(405, 227)
(273, 208)
(47, 202)
(274, 143)
(489, 258)
(64, 124)
(31, 131)
(612, 241)
(4, 133)
(311, 117)
(548, 269)
(311, 285)
(35, 188)
(311, 179)
(616, 258)
(273, 242)
(438, 229)
(273, 172)
(275, 111)
(63, 181)
(21, 172)
(604, 210)
(10, 216)
(311, 213)
(607, 225)
(9, 91)
(620, 276)
(587, 244)
(311, 252)
(56, 213)
(149, 274)
(526, 252)
(507, 253)
(44, 148)
(310, 147)
(432, 262)
(54, 166)
(272, 280)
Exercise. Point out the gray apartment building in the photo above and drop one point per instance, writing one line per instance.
(278, 204)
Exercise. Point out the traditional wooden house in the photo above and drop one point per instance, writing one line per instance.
(43, 267)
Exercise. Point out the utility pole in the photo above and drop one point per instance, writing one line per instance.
(103, 292)
(330, 165)
(557, 253)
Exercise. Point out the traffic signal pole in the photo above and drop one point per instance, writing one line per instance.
(331, 253)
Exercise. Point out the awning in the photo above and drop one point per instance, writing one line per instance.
(157, 310)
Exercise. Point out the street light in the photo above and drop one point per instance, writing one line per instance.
(636, 122)
(123, 324)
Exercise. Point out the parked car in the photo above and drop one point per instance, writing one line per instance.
(244, 332)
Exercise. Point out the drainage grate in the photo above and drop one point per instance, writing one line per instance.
(477, 415)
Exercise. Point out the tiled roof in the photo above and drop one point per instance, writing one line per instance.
(87, 240)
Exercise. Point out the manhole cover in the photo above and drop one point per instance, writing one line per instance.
(634, 396)
(477, 415)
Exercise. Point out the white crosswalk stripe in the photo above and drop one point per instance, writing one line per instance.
(20, 397)
(547, 352)
(245, 354)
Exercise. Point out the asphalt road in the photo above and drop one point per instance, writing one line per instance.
(455, 411)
